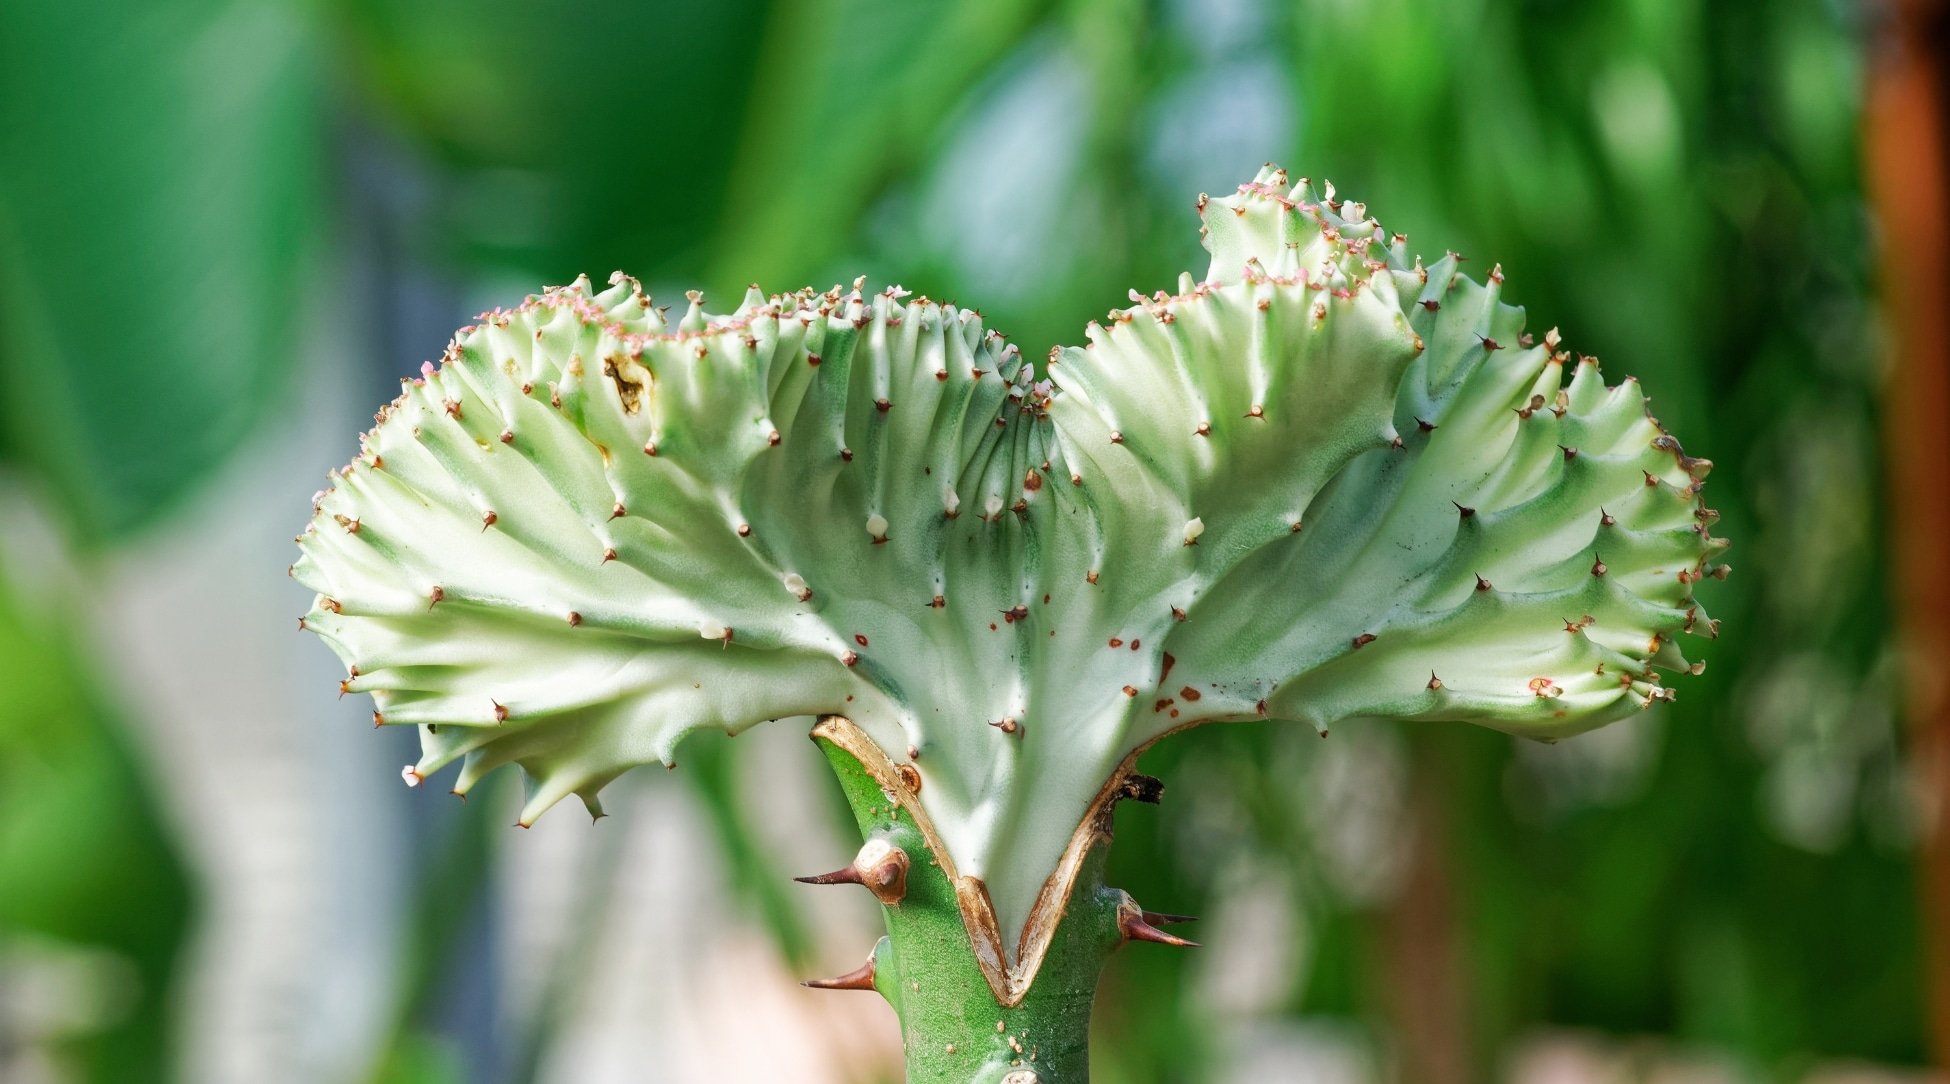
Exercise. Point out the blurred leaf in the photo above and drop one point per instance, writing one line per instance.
(850, 94)
(421, 1059)
(572, 139)
(151, 220)
(85, 857)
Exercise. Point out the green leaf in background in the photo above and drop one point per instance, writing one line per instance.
(91, 888)
(151, 220)
(568, 139)
(743, 138)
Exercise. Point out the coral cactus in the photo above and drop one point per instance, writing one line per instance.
(1327, 480)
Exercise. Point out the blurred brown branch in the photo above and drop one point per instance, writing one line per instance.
(1906, 148)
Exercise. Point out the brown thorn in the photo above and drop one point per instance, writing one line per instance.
(1131, 923)
(845, 875)
(860, 978)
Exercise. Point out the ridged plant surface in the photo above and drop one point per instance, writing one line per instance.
(1327, 480)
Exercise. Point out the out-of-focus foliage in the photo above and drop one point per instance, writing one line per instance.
(93, 900)
(1673, 182)
(152, 220)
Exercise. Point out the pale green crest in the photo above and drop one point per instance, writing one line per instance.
(1325, 481)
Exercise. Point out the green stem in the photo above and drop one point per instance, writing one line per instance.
(953, 1026)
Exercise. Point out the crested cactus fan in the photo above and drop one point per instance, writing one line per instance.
(1327, 480)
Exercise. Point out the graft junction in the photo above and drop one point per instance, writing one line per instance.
(966, 1014)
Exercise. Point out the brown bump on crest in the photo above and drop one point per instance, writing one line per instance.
(574, 618)
(850, 657)
(1435, 683)
(1364, 639)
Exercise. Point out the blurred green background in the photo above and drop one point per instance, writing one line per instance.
(227, 226)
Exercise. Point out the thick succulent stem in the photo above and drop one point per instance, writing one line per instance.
(954, 1026)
